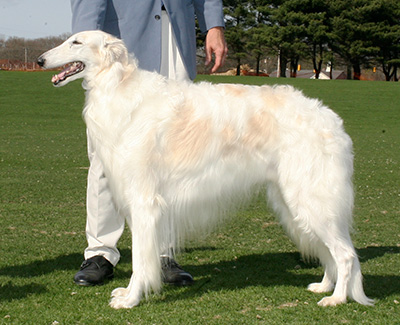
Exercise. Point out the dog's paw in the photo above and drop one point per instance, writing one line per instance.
(319, 287)
(123, 302)
(119, 292)
(331, 301)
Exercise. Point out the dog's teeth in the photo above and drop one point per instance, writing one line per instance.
(55, 78)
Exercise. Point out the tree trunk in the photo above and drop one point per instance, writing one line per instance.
(293, 67)
(258, 64)
(283, 64)
(317, 67)
(356, 71)
(238, 67)
(388, 71)
(348, 72)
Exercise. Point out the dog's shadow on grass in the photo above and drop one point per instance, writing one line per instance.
(270, 269)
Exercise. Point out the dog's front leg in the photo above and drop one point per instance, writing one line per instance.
(146, 264)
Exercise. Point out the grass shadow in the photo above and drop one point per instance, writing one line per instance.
(279, 269)
(9, 291)
(270, 269)
(372, 252)
(38, 268)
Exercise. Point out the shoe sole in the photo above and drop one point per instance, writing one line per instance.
(84, 283)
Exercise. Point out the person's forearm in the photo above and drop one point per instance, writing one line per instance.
(209, 14)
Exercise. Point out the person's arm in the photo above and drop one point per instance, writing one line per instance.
(88, 14)
(210, 16)
(216, 44)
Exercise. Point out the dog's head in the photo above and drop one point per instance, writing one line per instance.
(83, 54)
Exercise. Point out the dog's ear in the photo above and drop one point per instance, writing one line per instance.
(114, 50)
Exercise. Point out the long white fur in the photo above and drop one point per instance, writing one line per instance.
(178, 155)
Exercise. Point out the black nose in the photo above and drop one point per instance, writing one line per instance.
(41, 61)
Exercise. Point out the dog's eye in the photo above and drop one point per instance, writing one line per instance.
(76, 42)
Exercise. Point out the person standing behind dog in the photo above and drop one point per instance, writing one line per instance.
(161, 35)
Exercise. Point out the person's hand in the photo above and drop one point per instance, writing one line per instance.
(216, 44)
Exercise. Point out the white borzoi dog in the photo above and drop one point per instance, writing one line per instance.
(178, 155)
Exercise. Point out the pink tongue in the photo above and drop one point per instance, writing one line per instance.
(58, 76)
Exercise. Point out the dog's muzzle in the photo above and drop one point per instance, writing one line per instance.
(70, 70)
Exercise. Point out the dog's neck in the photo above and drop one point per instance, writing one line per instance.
(111, 76)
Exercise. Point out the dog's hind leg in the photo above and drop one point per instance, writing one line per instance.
(343, 255)
(355, 289)
(301, 227)
(331, 217)
(349, 278)
(303, 215)
(328, 281)
(301, 236)
(146, 265)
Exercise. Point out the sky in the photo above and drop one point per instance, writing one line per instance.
(34, 18)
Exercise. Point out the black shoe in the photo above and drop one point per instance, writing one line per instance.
(174, 274)
(94, 271)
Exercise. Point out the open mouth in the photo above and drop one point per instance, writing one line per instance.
(69, 71)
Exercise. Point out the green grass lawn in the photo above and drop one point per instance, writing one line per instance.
(247, 272)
